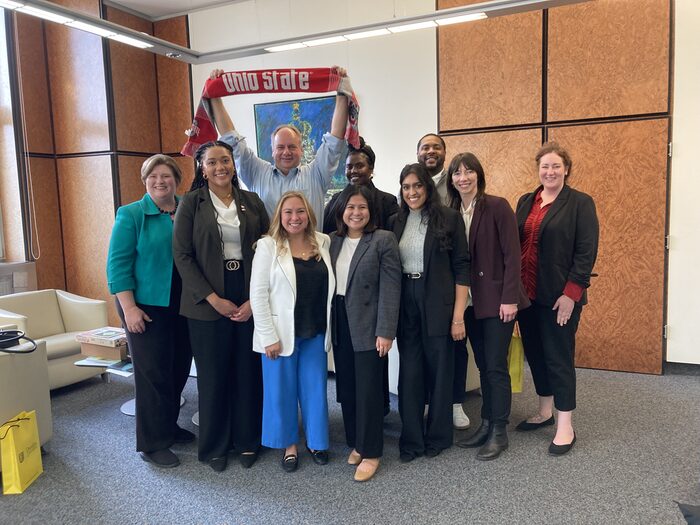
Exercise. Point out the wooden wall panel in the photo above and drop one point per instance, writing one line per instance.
(50, 272)
(187, 168)
(623, 166)
(608, 58)
(78, 95)
(135, 89)
(174, 87)
(87, 216)
(130, 185)
(507, 158)
(490, 72)
(31, 63)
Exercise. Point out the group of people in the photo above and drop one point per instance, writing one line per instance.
(246, 282)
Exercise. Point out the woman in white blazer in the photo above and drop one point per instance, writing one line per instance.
(291, 289)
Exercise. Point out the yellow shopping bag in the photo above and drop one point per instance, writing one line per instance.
(516, 361)
(20, 452)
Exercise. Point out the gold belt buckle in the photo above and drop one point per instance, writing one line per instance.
(232, 265)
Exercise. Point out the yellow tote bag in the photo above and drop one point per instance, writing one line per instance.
(516, 361)
(20, 452)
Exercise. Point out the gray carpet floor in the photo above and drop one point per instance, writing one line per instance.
(637, 450)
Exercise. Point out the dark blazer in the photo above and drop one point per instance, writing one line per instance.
(198, 252)
(385, 205)
(373, 290)
(494, 247)
(568, 243)
(442, 269)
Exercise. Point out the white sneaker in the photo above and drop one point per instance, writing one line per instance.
(459, 418)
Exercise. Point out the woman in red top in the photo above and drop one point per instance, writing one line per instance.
(559, 244)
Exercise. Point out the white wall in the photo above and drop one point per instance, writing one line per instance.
(684, 227)
(379, 67)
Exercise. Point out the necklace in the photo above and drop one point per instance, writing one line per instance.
(165, 212)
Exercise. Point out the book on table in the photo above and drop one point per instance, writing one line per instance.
(114, 366)
(105, 336)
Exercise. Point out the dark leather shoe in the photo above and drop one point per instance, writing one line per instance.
(320, 457)
(524, 426)
(406, 457)
(183, 436)
(478, 438)
(219, 464)
(496, 442)
(247, 459)
(560, 450)
(431, 452)
(290, 462)
(161, 458)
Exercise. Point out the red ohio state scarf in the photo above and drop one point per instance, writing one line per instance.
(312, 80)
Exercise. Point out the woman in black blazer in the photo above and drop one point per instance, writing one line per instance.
(215, 229)
(496, 295)
(365, 314)
(359, 169)
(559, 244)
(435, 266)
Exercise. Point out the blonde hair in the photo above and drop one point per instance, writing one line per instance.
(153, 162)
(279, 234)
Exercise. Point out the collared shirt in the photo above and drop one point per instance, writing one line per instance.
(440, 181)
(467, 216)
(269, 183)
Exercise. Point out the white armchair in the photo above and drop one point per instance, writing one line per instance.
(55, 316)
(24, 386)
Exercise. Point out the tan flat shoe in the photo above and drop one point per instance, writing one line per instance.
(366, 469)
(354, 458)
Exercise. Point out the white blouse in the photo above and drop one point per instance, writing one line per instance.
(229, 227)
(342, 265)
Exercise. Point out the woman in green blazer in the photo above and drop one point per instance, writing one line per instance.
(140, 272)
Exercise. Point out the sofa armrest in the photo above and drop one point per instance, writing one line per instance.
(13, 320)
(80, 313)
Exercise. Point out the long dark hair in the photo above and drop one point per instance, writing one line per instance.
(431, 209)
(199, 180)
(350, 191)
(469, 161)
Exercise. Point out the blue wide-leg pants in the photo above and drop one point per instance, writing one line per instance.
(298, 380)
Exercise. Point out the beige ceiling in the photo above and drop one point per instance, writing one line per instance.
(157, 9)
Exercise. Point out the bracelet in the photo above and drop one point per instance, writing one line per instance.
(457, 322)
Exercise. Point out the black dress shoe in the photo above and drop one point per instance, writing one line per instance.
(247, 459)
(524, 426)
(183, 436)
(290, 462)
(431, 452)
(161, 458)
(478, 438)
(560, 450)
(219, 464)
(496, 442)
(407, 457)
(320, 457)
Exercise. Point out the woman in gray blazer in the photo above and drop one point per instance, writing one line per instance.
(215, 229)
(365, 314)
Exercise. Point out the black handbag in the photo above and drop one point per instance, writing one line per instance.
(10, 338)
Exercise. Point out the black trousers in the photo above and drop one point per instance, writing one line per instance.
(490, 338)
(459, 385)
(161, 356)
(229, 380)
(359, 378)
(550, 350)
(426, 366)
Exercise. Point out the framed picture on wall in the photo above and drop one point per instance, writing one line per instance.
(312, 117)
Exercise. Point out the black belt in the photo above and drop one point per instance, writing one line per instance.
(233, 265)
(414, 275)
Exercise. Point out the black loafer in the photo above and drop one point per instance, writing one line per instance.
(560, 450)
(320, 457)
(247, 459)
(431, 452)
(525, 426)
(407, 457)
(183, 436)
(290, 462)
(161, 458)
(219, 464)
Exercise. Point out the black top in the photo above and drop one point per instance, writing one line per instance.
(312, 295)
